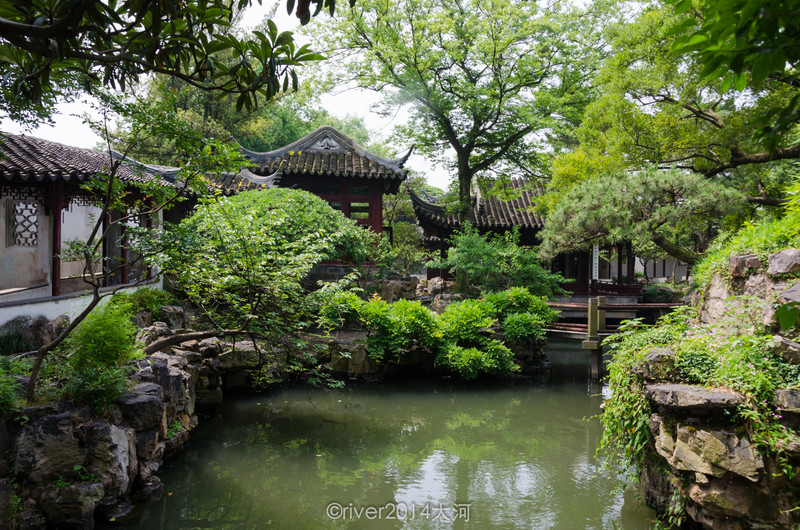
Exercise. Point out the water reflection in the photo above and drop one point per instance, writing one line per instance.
(428, 454)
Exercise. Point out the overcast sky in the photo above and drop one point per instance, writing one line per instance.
(70, 129)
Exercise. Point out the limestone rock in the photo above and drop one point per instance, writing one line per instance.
(143, 408)
(72, 506)
(711, 452)
(784, 262)
(692, 397)
(152, 333)
(112, 457)
(791, 294)
(48, 449)
(787, 401)
(209, 347)
(739, 265)
(173, 316)
(787, 349)
(441, 301)
(658, 365)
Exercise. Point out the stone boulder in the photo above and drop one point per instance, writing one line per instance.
(784, 262)
(49, 448)
(143, 408)
(72, 506)
(787, 349)
(692, 398)
(112, 457)
(658, 365)
(792, 294)
(706, 451)
(441, 301)
(787, 402)
(741, 265)
(152, 333)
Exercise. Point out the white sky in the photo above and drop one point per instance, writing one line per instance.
(70, 128)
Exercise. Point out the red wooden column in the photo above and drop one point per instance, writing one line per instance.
(56, 205)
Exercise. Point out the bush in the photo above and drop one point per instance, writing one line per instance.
(496, 261)
(340, 308)
(491, 358)
(105, 338)
(145, 299)
(468, 322)
(522, 327)
(97, 386)
(399, 327)
(520, 300)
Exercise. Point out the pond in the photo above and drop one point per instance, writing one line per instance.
(423, 454)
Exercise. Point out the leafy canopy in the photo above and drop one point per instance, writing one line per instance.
(243, 258)
(53, 50)
(671, 209)
(490, 80)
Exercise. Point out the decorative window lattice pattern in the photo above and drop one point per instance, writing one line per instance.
(21, 193)
(22, 227)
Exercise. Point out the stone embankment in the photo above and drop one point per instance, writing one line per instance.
(63, 467)
(725, 481)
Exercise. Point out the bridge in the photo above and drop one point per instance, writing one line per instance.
(591, 322)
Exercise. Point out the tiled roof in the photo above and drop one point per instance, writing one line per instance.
(245, 180)
(28, 159)
(490, 213)
(327, 152)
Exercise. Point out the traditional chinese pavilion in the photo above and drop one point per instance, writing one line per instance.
(334, 167)
(491, 214)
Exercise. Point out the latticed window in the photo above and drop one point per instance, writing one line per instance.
(22, 224)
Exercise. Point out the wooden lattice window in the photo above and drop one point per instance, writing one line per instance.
(22, 224)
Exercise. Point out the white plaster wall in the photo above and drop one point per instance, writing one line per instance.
(76, 223)
(24, 266)
(52, 309)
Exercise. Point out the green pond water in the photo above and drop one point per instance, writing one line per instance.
(424, 454)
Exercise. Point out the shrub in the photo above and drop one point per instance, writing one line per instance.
(492, 357)
(12, 342)
(97, 386)
(468, 322)
(520, 300)
(497, 261)
(340, 308)
(105, 338)
(145, 299)
(396, 328)
(521, 327)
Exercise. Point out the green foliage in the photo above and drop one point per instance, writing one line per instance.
(468, 322)
(672, 209)
(104, 339)
(243, 258)
(399, 327)
(99, 349)
(522, 327)
(493, 262)
(626, 414)
(175, 428)
(339, 309)
(469, 351)
(734, 38)
(763, 237)
(97, 386)
(192, 41)
(492, 358)
(520, 300)
(734, 355)
(12, 342)
(9, 389)
(145, 299)
(480, 77)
